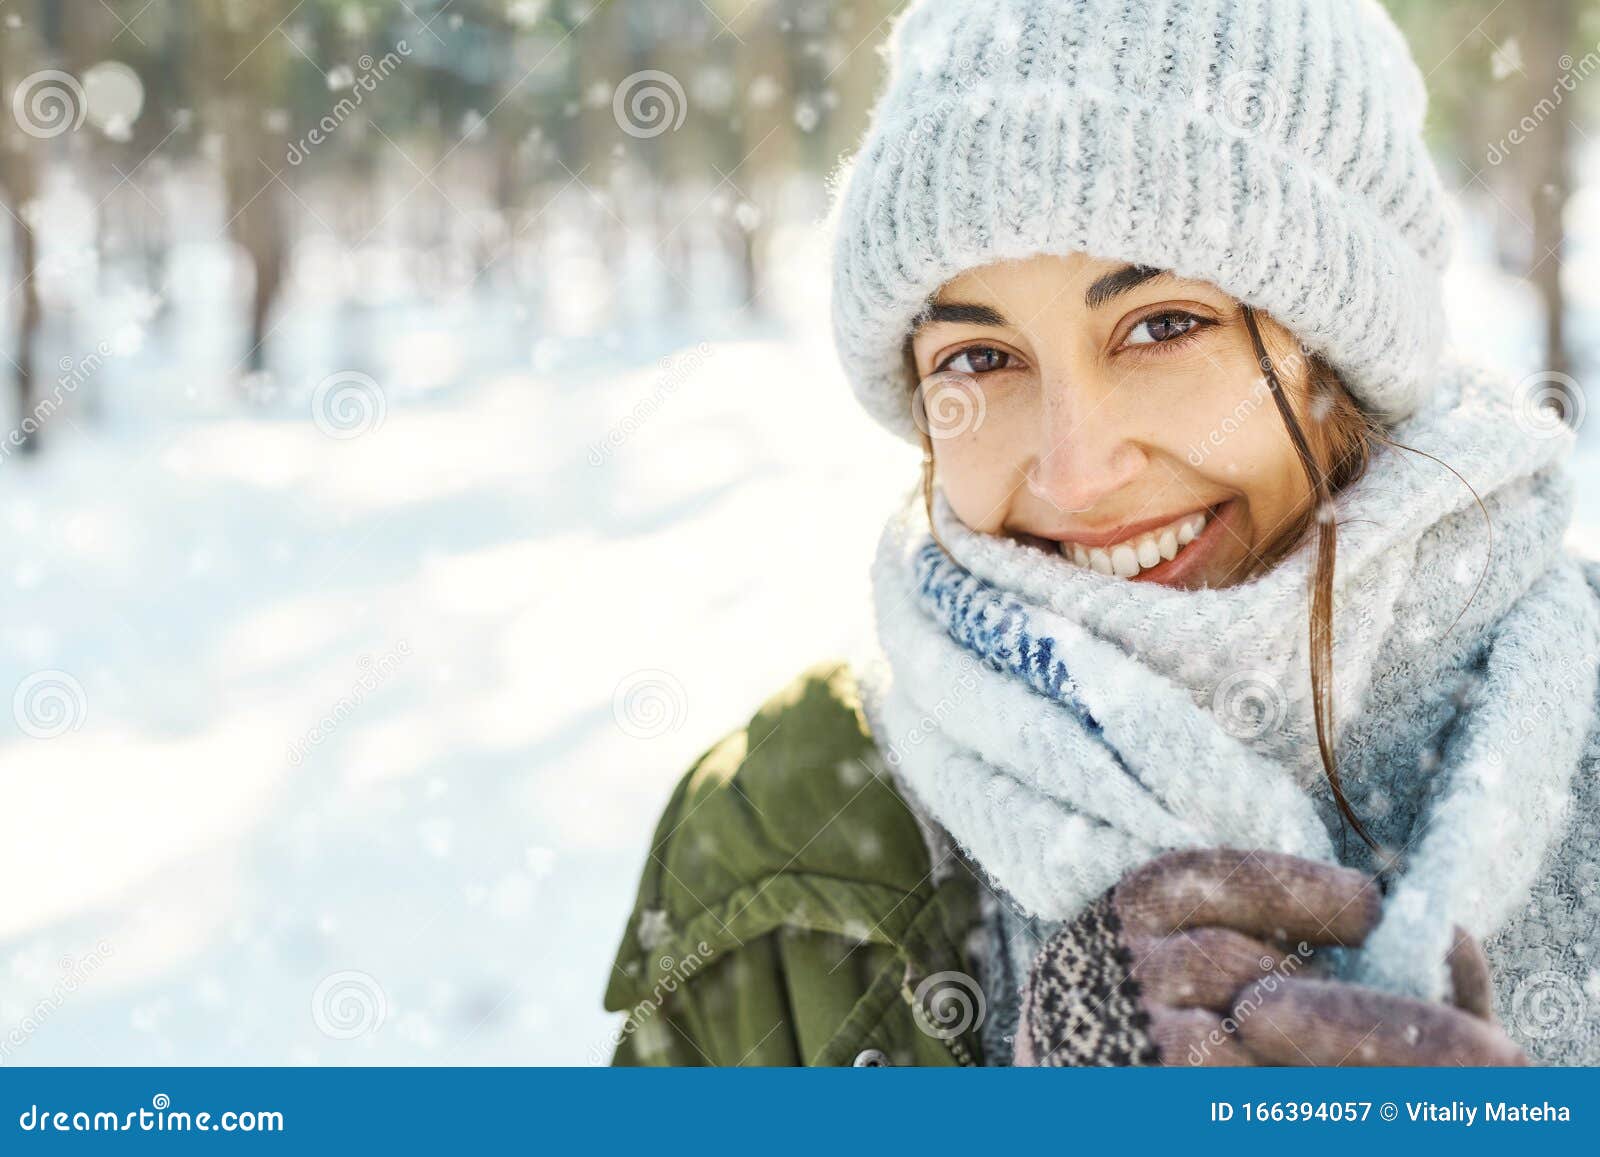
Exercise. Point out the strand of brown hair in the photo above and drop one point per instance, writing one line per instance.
(1321, 618)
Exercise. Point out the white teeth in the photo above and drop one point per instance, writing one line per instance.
(1127, 559)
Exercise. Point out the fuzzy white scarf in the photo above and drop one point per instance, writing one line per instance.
(1065, 726)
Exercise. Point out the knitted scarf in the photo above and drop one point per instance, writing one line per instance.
(1065, 726)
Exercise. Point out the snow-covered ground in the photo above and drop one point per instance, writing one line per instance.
(347, 749)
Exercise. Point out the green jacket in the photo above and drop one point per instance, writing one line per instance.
(788, 913)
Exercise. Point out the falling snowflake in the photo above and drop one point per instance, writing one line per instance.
(1507, 58)
(654, 928)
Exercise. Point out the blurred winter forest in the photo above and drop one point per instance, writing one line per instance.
(423, 439)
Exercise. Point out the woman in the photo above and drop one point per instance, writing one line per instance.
(1236, 700)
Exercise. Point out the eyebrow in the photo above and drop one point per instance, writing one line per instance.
(961, 312)
(1118, 282)
(1113, 284)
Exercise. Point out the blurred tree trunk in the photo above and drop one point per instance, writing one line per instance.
(18, 172)
(20, 183)
(242, 76)
(766, 152)
(600, 70)
(1551, 32)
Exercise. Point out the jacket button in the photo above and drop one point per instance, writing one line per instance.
(872, 1059)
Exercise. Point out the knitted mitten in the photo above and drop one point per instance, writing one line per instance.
(1205, 957)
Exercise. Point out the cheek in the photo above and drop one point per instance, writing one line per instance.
(980, 473)
(1248, 450)
(1236, 437)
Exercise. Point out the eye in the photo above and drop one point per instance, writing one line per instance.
(1163, 327)
(976, 359)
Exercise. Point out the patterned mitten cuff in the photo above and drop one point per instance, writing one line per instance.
(1080, 1006)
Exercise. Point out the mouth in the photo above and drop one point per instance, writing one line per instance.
(1166, 553)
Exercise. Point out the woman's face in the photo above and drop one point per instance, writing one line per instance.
(1112, 413)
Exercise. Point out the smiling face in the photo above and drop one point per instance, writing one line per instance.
(1115, 414)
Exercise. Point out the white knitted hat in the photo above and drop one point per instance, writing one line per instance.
(1270, 147)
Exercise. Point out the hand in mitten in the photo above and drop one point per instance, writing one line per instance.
(1308, 1021)
(1206, 957)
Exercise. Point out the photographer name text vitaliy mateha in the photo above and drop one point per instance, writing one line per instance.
(1460, 1112)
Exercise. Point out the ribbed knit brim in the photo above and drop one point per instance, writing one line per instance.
(1270, 147)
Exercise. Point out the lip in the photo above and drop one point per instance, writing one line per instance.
(1091, 539)
(1173, 571)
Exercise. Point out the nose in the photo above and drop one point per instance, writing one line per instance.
(1085, 451)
